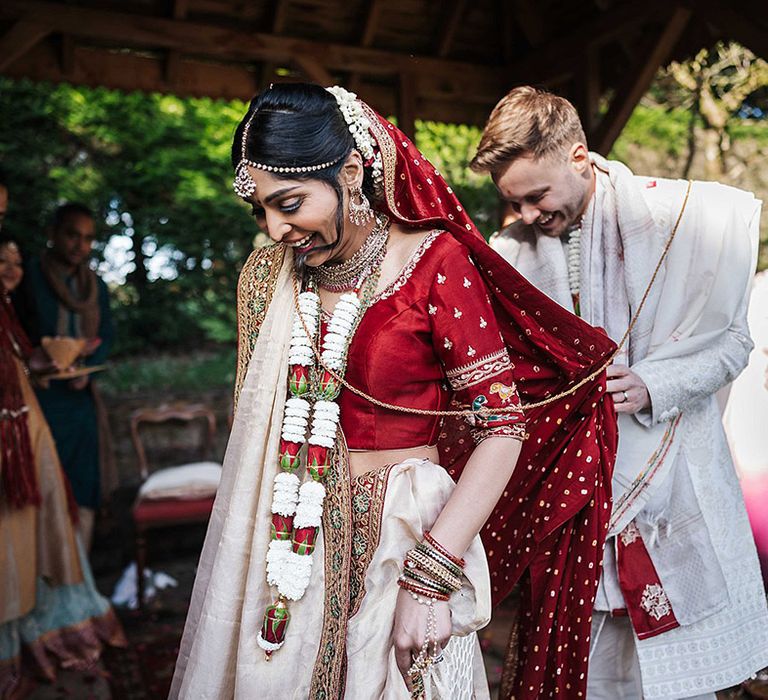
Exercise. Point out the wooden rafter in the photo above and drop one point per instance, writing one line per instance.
(746, 30)
(99, 67)
(406, 104)
(508, 23)
(371, 22)
(556, 59)
(179, 10)
(313, 69)
(529, 17)
(587, 89)
(455, 11)
(20, 38)
(366, 38)
(217, 43)
(67, 55)
(639, 78)
(278, 25)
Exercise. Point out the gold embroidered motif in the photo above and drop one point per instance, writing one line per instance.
(254, 292)
(368, 491)
(478, 371)
(329, 673)
(504, 392)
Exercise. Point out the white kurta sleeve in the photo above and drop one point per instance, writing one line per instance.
(675, 384)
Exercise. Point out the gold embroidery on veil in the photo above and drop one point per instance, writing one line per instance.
(255, 288)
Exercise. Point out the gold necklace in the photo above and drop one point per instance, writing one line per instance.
(347, 276)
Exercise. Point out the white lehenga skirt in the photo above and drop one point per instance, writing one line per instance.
(391, 508)
(416, 491)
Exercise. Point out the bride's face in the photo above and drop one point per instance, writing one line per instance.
(302, 214)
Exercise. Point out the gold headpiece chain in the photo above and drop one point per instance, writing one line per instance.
(507, 409)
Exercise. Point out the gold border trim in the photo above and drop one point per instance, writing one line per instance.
(255, 288)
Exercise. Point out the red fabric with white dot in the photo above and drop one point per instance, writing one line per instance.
(549, 527)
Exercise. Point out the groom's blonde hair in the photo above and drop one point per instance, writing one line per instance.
(527, 122)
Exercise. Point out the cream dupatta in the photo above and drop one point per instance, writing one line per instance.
(222, 620)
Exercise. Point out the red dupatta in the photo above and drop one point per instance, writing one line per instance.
(17, 465)
(548, 529)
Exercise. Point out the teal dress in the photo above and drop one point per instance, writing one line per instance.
(71, 414)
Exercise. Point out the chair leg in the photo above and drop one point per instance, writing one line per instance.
(141, 561)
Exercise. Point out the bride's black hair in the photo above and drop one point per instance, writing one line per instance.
(299, 124)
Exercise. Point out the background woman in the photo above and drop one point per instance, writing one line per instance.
(374, 556)
(50, 611)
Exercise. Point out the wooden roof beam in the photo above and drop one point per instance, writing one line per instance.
(313, 69)
(213, 42)
(171, 68)
(587, 93)
(371, 22)
(20, 38)
(406, 105)
(639, 78)
(528, 15)
(454, 14)
(731, 22)
(555, 60)
(278, 25)
(508, 26)
(100, 67)
(180, 9)
(367, 36)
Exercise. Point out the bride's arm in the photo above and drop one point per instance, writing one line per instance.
(479, 488)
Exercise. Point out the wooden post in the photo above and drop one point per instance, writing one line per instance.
(311, 67)
(19, 39)
(406, 112)
(587, 95)
(367, 36)
(454, 13)
(639, 79)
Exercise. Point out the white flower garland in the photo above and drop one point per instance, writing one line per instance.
(359, 126)
(288, 570)
(574, 261)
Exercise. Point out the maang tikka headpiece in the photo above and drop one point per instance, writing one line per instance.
(359, 127)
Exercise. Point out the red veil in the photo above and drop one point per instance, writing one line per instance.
(17, 465)
(548, 529)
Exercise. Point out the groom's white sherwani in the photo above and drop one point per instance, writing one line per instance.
(674, 479)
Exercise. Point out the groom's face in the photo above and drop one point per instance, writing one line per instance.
(550, 193)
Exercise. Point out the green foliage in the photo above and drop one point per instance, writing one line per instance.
(156, 170)
(450, 148)
(654, 128)
(157, 373)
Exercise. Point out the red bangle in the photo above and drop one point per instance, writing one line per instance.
(426, 592)
(456, 560)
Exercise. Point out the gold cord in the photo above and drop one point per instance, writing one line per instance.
(508, 409)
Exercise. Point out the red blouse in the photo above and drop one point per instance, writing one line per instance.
(428, 339)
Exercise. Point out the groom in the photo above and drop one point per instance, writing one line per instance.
(680, 611)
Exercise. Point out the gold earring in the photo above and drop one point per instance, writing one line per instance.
(360, 211)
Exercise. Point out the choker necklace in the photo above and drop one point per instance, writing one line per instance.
(348, 275)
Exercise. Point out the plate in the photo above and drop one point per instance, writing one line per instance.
(73, 374)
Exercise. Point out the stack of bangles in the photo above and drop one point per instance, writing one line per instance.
(430, 573)
(431, 570)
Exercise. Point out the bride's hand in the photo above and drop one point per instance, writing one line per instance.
(411, 628)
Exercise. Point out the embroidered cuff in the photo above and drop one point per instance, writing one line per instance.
(484, 368)
(515, 431)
